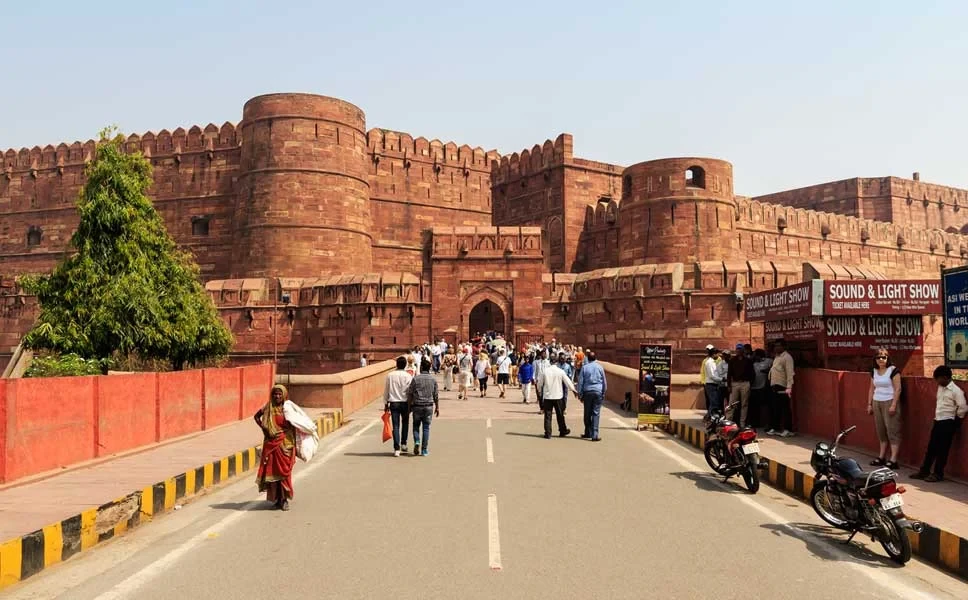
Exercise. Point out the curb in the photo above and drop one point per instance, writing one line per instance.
(31, 553)
(941, 548)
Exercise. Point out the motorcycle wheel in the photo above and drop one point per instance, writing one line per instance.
(751, 473)
(821, 505)
(897, 544)
(715, 456)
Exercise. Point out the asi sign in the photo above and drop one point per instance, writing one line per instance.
(954, 283)
(916, 297)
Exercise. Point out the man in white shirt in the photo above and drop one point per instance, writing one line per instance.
(950, 409)
(503, 370)
(552, 389)
(464, 365)
(435, 353)
(395, 402)
(711, 379)
(540, 365)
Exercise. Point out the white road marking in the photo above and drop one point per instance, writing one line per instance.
(888, 582)
(488, 423)
(490, 450)
(127, 587)
(493, 534)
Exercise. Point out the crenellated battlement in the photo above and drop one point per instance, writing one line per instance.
(788, 220)
(401, 145)
(164, 143)
(537, 159)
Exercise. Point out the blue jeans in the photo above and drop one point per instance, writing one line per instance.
(400, 415)
(592, 402)
(422, 415)
(714, 398)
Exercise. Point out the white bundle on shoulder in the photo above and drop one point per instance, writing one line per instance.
(307, 438)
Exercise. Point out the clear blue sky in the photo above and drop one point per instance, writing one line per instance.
(792, 95)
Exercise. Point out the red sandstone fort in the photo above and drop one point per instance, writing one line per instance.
(381, 240)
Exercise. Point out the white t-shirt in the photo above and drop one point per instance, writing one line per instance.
(362, 362)
(883, 384)
(504, 365)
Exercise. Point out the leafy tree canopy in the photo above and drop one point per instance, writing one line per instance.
(126, 289)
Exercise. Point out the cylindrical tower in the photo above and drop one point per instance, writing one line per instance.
(676, 210)
(303, 203)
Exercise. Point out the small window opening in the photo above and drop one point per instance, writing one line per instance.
(200, 226)
(34, 235)
(696, 177)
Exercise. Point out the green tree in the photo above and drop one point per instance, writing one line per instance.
(125, 289)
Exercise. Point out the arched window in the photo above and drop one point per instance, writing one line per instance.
(696, 177)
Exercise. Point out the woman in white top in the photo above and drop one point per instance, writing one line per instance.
(883, 403)
(482, 369)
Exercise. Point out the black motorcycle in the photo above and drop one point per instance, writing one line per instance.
(849, 498)
(731, 450)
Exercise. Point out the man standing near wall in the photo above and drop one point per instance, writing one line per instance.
(395, 402)
(950, 410)
(710, 379)
(424, 403)
(591, 391)
(781, 384)
(740, 376)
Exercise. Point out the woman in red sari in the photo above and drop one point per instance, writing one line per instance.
(278, 450)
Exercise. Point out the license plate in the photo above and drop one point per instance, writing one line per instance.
(753, 448)
(892, 501)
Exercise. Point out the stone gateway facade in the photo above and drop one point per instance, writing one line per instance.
(320, 239)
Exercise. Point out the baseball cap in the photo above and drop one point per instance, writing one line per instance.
(739, 346)
(710, 347)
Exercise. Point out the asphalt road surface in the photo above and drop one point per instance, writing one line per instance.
(495, 511)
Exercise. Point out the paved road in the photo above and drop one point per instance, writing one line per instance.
(634, 516)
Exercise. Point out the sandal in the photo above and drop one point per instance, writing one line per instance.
(877, 462)
(892, 465)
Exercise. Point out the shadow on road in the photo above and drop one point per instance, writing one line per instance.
(383, 454)
(243, 506)
(709, 482)
(818, 538)
(520, 434)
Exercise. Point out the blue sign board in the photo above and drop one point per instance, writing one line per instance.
(954, 285)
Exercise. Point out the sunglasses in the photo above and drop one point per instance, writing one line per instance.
(881, 358)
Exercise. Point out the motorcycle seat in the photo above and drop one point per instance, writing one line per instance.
(851, 470)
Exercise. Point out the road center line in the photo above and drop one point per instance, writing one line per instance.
(488, 422)
(890, 583)
(126, 588)
(490, 450)
(493, 534)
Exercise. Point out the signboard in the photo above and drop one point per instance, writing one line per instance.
(800, 329)
(863, 335)
(655, 379)
(799, 300)
(887, 297)
(955, 299)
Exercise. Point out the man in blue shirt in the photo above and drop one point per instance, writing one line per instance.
(591, 392)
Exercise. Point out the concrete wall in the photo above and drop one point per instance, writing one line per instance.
(826, 402)
(350, 390)
(686, 392)
(59, 421)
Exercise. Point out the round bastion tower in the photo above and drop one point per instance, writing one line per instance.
(303, 203)
(676, 210)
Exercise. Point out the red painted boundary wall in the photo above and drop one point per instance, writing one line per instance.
(826, 402)
(58, 421)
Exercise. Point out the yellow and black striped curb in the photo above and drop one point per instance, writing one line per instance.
(939, 547)
(27, 555)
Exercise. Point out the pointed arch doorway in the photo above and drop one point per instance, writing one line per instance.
(487, 316)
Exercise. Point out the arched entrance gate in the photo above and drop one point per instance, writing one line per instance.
(486, 310)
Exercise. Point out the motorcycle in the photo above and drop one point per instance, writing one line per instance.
(849, 498)
(731, 450)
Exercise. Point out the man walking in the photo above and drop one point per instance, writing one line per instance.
(739, 378)
(503, 371)
(949, 411)
(464, 364)
(395, 402)
(553, 381)
(540, 366)
(781, 384)
(424, 403)
(591, 391)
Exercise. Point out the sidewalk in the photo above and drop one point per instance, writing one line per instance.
(27, 507)
(942, 506)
